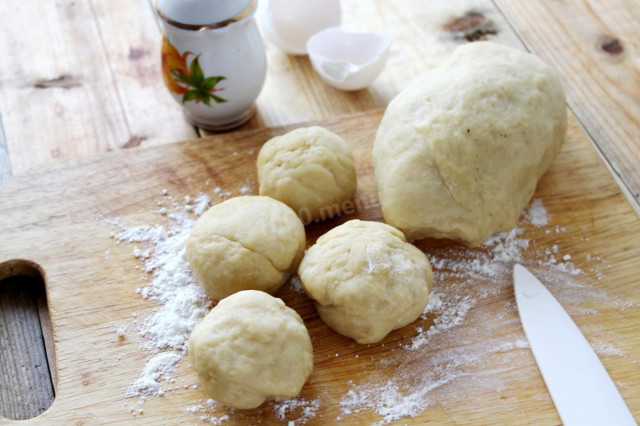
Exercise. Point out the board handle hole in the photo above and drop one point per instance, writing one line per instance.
(27, 363)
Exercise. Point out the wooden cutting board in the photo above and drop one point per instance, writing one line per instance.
(52, 220)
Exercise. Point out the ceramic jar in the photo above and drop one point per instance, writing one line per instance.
(213, 59)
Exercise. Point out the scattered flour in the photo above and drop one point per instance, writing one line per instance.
(182, 302)
(449, 312)
(213, 419)
(463, 278)
(245, 190)
(170, 284)
(392, 400)
(427, 369)
(120, 332)
(221, 193)
(205, 410)
(300, 409)
(605, 348)
(296, 284)
(157, 368)
(536, 213)
(201, 204)
(295, 411)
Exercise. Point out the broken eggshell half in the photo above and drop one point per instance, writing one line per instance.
(348, 60)
(288, 24)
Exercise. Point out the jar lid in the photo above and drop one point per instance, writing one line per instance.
(204, 14)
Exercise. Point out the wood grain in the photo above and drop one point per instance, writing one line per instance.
(78, 78)
(131, 40)
(594, 44)
(98, 85)
(82, 78)
(24, 372)
(26, 337)
(5, 165)
(88, 294)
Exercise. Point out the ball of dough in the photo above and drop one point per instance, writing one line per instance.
(366, 279)
(458, 153)
(245, 243)
(251, 347)
(309, 169)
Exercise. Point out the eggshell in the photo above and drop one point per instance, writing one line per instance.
(288, 24)
(348, 60)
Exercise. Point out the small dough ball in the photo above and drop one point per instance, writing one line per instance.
(251, 347)
(366, 279)
(459, 152)
(245, 243)
(309, 169)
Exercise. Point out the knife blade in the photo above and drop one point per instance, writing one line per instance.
(580, 387)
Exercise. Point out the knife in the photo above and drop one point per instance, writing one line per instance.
(580, 387)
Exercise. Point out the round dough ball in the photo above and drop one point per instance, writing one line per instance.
(251, 347)
(245, 243)
(309, 169)
(366, 279)
(459, 152)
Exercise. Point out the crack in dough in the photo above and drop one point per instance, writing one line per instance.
(250, 242)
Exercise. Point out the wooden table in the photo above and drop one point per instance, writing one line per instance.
(81, 78)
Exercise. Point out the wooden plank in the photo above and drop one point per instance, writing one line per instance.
(27, 389)
(593, 44)
(44, 323)
(131, 40)
(5, 164)
(421, 39)
(81, 78)
(88, 294)
(57, 84)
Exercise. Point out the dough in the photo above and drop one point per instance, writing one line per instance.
(245, 243)
(309, 169)
(366, 279)
(458, 153)
(251, 347)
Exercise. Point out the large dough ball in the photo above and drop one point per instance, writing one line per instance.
(366, 279)
(309, 169)
(459, 152)
(250, 347)
(245, 243)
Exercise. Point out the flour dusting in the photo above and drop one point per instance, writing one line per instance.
(168, 282)
(297, 408)
(296, 284)
(156, 369)
(536, 213)
(468, 339)
(472, 301)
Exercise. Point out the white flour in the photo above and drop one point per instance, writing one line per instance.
(298, 408)
(432, 370)
(181, 302)
(295, 411)
(537, 214)
(204, 408)
(295, 284)
(156, 369)
(427, 368)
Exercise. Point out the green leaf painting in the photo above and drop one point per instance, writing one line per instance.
(189, 81)
(203, 88)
